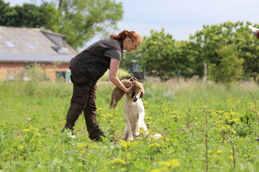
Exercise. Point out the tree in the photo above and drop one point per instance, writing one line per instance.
(229, 68)
(213, 37)
(157, 54)
(28, 15)
(188, 59)
(5, 11)
(80, 20)
(162, 56)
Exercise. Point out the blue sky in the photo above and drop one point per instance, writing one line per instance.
(180, 17)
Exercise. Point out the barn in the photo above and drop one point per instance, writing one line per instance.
(23, 47)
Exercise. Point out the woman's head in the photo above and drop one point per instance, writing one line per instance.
(130, 39)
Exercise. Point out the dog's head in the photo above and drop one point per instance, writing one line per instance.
(135, 93)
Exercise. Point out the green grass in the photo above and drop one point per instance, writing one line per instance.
(33, 114)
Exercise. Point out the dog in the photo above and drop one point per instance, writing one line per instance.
(134, 108)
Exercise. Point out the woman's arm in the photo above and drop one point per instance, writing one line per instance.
(114, 67)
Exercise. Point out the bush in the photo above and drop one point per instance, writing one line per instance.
(33, 72)
(229, 67)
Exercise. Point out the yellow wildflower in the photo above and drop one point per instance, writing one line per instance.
(124, 144)
(118, 162)
(159, 170)
(154, 146)
(171, 163)
(81, 145)
(26, 130)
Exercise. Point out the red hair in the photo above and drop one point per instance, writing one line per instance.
(134, 36)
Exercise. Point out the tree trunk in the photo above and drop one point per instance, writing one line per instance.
(205, 72)
(60, 4)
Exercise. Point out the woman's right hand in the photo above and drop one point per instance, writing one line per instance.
(128, 89)
(114, 66)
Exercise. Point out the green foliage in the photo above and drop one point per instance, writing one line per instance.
(80, 20)
(213, 37)
(32, 72)
(5, 12)
(27, 15)
(158, 55)
(162, 56)
(35, 73)
(189, 60)
(229, 66)
(127, 58)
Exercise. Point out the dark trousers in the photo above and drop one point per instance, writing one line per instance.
(83, 99)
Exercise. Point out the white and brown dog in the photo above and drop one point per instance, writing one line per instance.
(134, 108)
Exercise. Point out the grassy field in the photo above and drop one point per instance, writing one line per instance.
(205, 127)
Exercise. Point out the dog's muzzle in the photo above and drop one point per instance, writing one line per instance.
(135, 99)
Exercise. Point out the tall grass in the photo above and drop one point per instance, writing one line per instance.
(32, 115)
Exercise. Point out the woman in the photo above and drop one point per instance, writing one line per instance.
(87, 67)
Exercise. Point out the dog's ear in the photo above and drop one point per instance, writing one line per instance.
(141, 94)
(117, 94)
(142, 91)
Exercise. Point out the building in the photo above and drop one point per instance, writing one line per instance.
(22, 47)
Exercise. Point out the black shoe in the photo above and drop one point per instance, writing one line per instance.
(69, 132)
(96, 135)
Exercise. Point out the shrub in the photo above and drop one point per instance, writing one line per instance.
(229, 66)
(32, 72)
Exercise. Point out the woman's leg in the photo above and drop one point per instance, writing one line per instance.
(78, 102)
(93, 129)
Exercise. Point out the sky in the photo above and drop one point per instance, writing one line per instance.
(180, 17)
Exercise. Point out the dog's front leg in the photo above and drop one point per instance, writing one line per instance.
(137, 130)
(128, 132)
(142, 124)
(145, 128)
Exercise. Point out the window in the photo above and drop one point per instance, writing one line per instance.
(61, 75)
(9, 44)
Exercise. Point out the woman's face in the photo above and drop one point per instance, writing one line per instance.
(129, 44)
